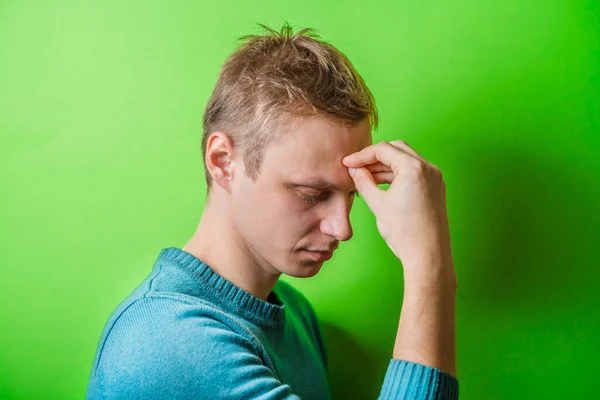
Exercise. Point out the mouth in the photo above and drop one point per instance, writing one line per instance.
(319, 255)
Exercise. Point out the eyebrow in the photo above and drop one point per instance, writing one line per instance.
(322, 184)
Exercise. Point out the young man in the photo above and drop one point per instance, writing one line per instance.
(287, 144)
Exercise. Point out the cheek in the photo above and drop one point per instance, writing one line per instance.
(290, 224)
(304, 219)
(272, 219)
(264, 217)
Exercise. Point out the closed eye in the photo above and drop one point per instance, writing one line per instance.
(322, 196)
(314, 198)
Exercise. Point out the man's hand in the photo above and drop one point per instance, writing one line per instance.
(411, 214)
(412, 218)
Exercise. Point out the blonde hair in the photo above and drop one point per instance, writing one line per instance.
(273, 78)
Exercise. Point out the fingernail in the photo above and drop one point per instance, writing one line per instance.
(351, 171)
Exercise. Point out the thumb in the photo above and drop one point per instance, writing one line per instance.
(365, 184)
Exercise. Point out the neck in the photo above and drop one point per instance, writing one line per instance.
(217, 243)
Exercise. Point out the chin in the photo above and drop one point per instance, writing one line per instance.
(305, 269)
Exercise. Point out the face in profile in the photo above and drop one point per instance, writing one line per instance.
(301, 200)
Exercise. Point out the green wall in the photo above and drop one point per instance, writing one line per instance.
(100, 167)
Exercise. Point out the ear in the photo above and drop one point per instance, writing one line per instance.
(219, 159)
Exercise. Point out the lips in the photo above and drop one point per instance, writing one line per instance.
(325, 250)
(319, 255)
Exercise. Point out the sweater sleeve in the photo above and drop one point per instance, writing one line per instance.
(403, 379)
(185, 354)
(409, 380)
(195, 358)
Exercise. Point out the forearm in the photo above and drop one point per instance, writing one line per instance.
(427, 327)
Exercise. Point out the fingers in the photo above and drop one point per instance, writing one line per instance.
(378, 167)
(401, 144)
(366, 185)
(383, 177)
(385, 153)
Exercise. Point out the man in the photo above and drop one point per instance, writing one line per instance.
(287, 144)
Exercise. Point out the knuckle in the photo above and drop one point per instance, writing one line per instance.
(419, 167)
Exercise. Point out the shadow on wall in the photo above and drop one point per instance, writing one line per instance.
(533, 224)
(527, 233)
(524, 220)
(353, 370)
(525, 229)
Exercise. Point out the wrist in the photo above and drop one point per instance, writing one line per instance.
(430, 274)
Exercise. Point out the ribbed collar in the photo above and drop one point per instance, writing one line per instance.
(202, 281)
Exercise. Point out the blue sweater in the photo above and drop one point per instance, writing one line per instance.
(188, 333)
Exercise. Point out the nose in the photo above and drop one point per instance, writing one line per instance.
(337, 222)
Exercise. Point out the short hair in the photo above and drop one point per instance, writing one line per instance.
(273, 78)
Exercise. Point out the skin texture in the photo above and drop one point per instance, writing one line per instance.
(413, 219)
(252, 232)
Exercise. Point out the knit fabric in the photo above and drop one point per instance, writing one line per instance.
(188, 333)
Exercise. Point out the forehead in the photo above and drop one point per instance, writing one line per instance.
(314, 147)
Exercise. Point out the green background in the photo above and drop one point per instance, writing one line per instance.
(100, 119)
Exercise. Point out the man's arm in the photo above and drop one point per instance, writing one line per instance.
(426, 332)
(412, 219)
(424, 363)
